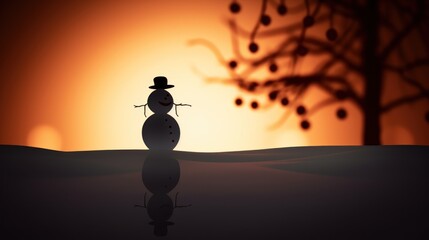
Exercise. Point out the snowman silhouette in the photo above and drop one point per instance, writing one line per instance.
(160, 131)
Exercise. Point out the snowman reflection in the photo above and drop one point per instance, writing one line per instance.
(160, 131)
(160, 175)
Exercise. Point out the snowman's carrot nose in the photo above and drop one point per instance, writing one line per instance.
(180, 104)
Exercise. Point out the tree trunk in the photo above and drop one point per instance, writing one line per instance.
(372, 74)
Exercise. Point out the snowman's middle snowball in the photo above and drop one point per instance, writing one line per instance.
(161, 132)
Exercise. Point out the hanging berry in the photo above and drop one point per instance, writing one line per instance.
(341, 113)
(331, 34)
(265, 20)
(254, 104)
(232, 64)
(305, 124)
(300, 110)
(284, 101)
(253, 47)
(282, 9)
(234, 7)
(308, 21)
(273, 95)
(273, 67)
(238, 101)
(252, 86)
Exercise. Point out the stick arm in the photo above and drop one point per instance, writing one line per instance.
(180, 105)
(144, 105)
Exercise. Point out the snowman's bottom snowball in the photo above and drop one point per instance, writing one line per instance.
(161, 132)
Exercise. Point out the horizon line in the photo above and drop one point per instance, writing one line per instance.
(248, 150)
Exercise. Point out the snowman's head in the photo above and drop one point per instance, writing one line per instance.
(160, 101)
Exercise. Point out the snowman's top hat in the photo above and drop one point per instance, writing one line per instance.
(161, 83)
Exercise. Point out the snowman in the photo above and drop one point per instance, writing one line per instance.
(160, 131)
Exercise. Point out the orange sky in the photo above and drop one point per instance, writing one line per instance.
(72, 72)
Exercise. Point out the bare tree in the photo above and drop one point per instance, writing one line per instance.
(370, 41)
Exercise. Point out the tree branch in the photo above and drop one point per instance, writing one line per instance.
(349, 91)
(210, 46)
(323, 82)
(234, 39)
(320, 105)
(325, 48)
(402, 8)
(407, 66)
(416, 84)
(403, 100)
(280, 30)
(417, 63)
(328, 48)
(408, 79)
(402, 34)
(258, 22)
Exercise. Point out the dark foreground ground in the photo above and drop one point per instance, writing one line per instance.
(375, 192)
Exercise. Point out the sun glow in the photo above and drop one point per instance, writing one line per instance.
(114, 66)
(44, 136)
(92, 62)
(107, 59)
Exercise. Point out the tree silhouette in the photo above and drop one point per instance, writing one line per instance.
(365, 41)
